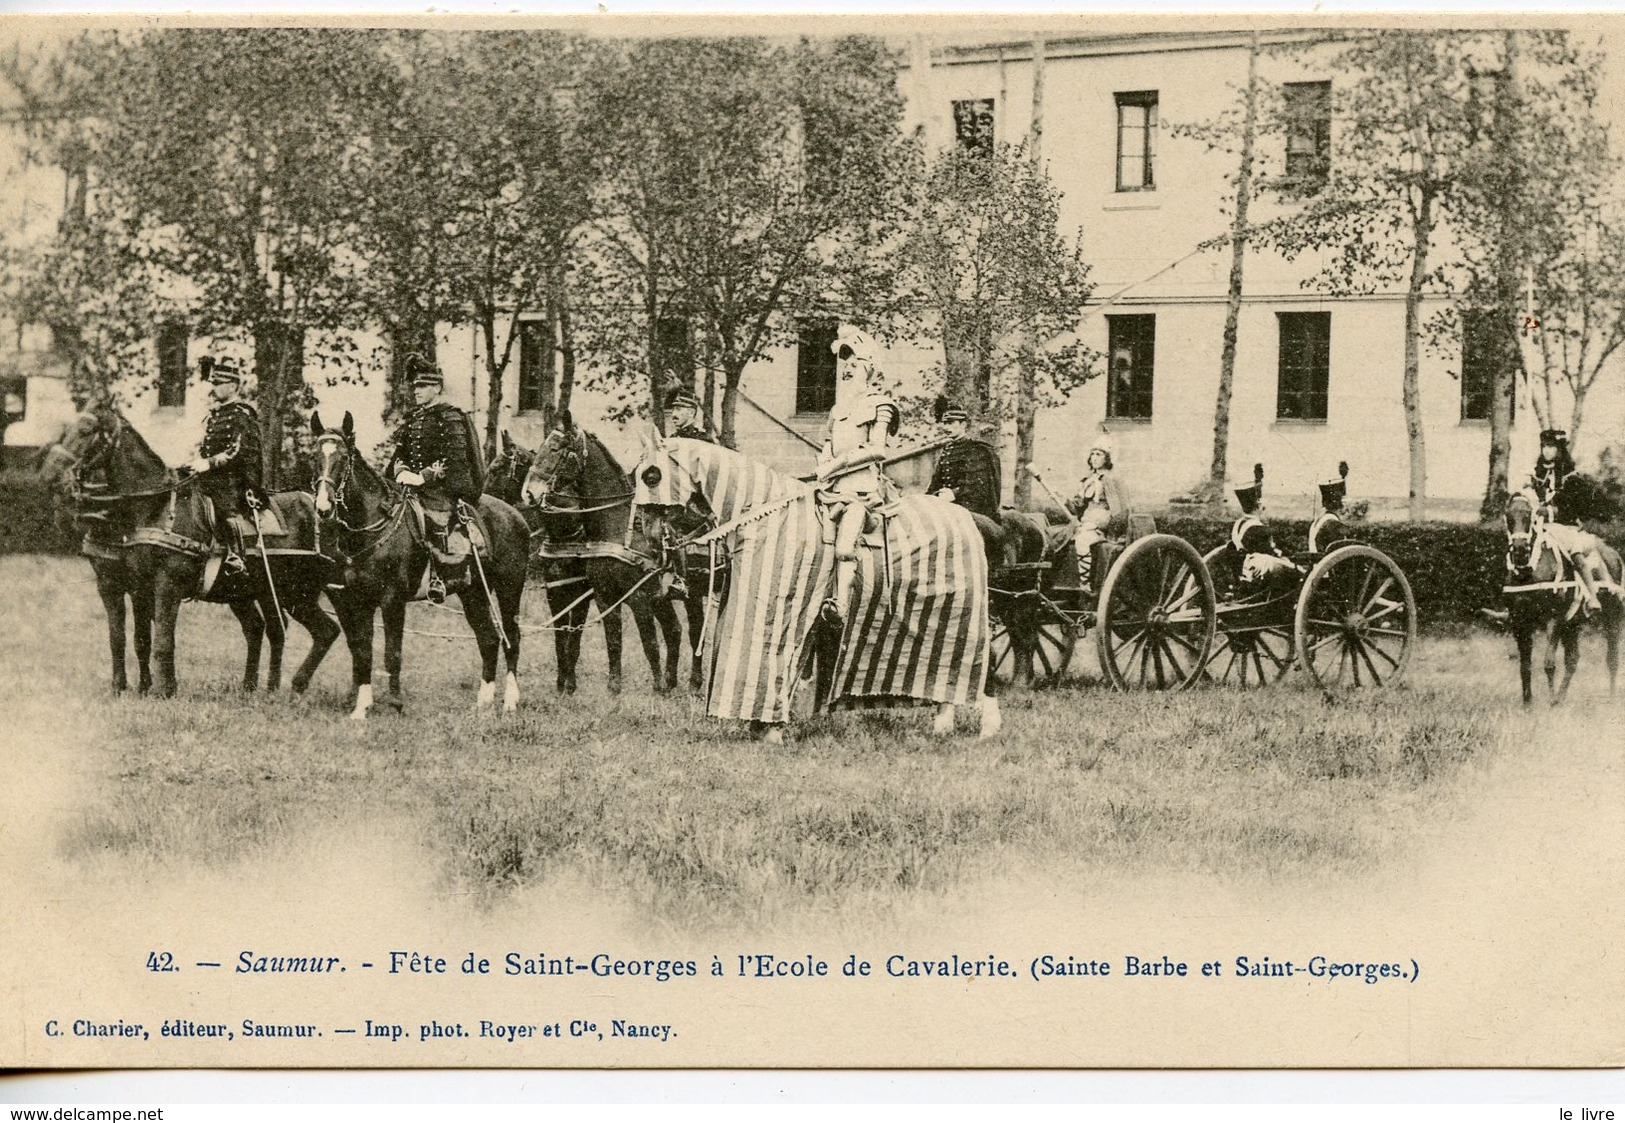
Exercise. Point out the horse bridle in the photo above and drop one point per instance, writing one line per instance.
(337, 487)
(578, 456)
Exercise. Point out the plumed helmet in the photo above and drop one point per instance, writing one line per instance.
(220, 370)
(1556, 437)
(944, 410)
(1251, 495)
(1334, 490)
(421, 371)
(681, 397)
(853, 343)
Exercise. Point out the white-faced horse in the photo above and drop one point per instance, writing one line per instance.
(917, 629)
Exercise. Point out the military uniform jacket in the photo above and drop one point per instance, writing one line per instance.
(971, 468)
(1545, 481)
(439, 432)
(692, 433)
(234, 428)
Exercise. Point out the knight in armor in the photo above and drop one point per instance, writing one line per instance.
(1263, 567)
(683, 415)
(849, 467)
(1100, 498)
(1554, 467)
(967, 471)
(1328, 526)
(437, 458)
(228, 467)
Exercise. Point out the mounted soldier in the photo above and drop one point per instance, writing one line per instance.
(437, 456)
(1328, 527)
(1554, 469)
(684, 419)
(683, 415)
(967, 471)
(228, 467)
(850, 479)
(1263, 567)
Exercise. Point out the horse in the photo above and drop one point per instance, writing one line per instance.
(591, 540)
(917, 629)
(368, 523)
(1540, 596)
(106, 520)
(165, 531)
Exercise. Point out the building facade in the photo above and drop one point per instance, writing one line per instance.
(1317, 378)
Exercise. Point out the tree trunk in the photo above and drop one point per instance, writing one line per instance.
(1509, 260)
(651, 315)
(1219, 467)
(1027, 368)
(279, 363)
(733, 374)
(567, 353)
(1412, 390)
(493, 381)
(1576, 414)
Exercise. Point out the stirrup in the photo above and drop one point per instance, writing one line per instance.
(436, 591)
(232, 565)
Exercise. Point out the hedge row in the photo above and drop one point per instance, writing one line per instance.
(1454, 569)
(31, 520)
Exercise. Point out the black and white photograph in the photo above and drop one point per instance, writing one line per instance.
(1065, 542)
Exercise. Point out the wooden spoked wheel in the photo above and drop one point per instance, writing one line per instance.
(1048, 634)
(1251, 647)
(1156, 616)
(1356, 620)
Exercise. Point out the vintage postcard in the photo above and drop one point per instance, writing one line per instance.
(887, 542)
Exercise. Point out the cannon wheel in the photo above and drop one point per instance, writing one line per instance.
(1356, 619)
(1054, 639)
(1156, 616)
(1246, 653)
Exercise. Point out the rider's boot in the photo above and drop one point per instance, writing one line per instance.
(436, 591)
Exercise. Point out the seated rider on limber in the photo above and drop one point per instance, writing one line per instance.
(1264, 569)
(228, 466)
(437, 457)
(849, 469)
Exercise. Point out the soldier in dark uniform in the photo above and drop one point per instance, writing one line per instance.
(1328, 527)
(1553, 469)
(683, 419)
(683, 415)
(1263, 567)
(228, 465)
(967, 470)
(437, 457)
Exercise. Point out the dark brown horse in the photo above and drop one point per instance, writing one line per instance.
(590, 541)
(74, 470)
(368, 529)
(164, 521)
(1540, 595)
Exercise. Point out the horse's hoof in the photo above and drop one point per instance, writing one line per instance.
(773, 736)
(614, 686)
(395, 702)
(299, 685)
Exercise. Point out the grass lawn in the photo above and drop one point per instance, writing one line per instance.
(645, 799)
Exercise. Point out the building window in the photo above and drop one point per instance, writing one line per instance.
(1308, 132)
(1136, 140)
(173, 340)
(1305, 365)
(973, 125)
(535, 365)
(1486, 350)
(1131, 351)
(815, 367)
(14, 398)
(674, 357)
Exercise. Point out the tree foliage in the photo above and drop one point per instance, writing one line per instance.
(745, 183)
(988, 263)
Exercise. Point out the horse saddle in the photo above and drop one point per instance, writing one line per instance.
(432, 527)
(271, 525)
